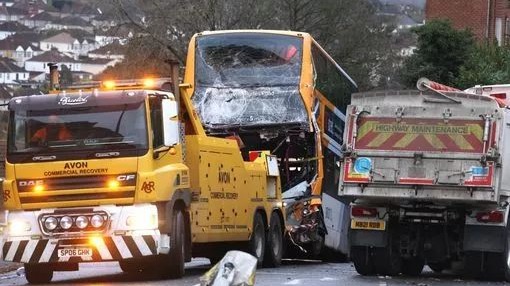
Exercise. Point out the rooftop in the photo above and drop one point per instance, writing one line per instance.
(113, 49)
(73, 21)
(63, 37)
(24, 40)
(8, 66)
(13, 27)
(43, 16)
(53, 56)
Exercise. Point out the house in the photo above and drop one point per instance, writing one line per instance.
(19, 47)
(78, 8)
(405, 22)
(33, 6)
(96, 66)
(67, 43)
(11, 14)
(487, 19)
(11, 28)
(38, 21)
(69, 22)
(114, 51)
(6, 3)
(105, 20)
(40, 63)
(10, 73)
(119, 33)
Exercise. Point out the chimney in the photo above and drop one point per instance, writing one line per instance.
(54, 76)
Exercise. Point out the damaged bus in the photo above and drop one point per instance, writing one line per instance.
(279, 91)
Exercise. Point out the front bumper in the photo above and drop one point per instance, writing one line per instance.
(27, 241)
(104, 248)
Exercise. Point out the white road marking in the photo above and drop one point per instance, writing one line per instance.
(293, 282)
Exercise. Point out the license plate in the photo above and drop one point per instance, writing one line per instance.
(72, 252)
(368, 224)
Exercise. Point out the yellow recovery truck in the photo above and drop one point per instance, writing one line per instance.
(126, 173)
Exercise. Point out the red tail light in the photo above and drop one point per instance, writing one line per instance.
(492, 216)
(363, 212)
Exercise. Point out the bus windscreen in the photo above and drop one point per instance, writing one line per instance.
(248, 79)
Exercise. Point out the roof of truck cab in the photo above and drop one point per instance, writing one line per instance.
(76, 99)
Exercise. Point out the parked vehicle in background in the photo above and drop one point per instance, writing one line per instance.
(279, 91)
(427, 175)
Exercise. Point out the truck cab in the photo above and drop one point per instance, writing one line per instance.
(85, 174)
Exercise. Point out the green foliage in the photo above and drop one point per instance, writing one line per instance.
(487, 64)
(440, 53)
(66, 77)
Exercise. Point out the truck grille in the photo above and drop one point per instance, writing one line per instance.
(79, 189)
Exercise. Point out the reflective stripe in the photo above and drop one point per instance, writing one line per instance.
(103, 250)
(12, 251)
(29, 250)
(142, 245)
(122, 247)
(48, 251)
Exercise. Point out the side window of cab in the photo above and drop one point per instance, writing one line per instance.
(156, 121)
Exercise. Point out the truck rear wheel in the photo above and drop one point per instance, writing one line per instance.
(361, 257)
(38, 273)
(274, 242)
(413, 266)
(387, 261)
(172, 264)
(506, 261)
(257, 242)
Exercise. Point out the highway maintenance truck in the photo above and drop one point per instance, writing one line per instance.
(425, 173)
(125, 172)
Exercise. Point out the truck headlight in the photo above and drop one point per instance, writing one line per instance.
(50, 223)
(97, 221)
(19, 227)
(66, 222)
(142, 221)
(82, 222)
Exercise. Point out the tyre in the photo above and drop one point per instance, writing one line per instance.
(437, 267)
(361, 257)
(38, 273)
(413, 266)
(506, 254)
(257, 242)
(172, 264)
(274, 242)
(387, 261)
(136, 265)
(129, 267)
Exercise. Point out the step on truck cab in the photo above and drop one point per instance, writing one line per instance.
(425, 172)
(114, 174)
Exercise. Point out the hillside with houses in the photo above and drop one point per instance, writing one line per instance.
(33, 33)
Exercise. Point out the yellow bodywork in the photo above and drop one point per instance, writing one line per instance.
(226, 192)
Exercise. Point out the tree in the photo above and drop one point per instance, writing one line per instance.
(350, 31)
(440, 53)
(66, 77)
(487, 64)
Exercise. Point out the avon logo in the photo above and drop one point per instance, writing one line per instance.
(65, 100)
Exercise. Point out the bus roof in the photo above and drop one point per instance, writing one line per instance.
(278, 32)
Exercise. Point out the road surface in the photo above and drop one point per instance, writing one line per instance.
(291, 273)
